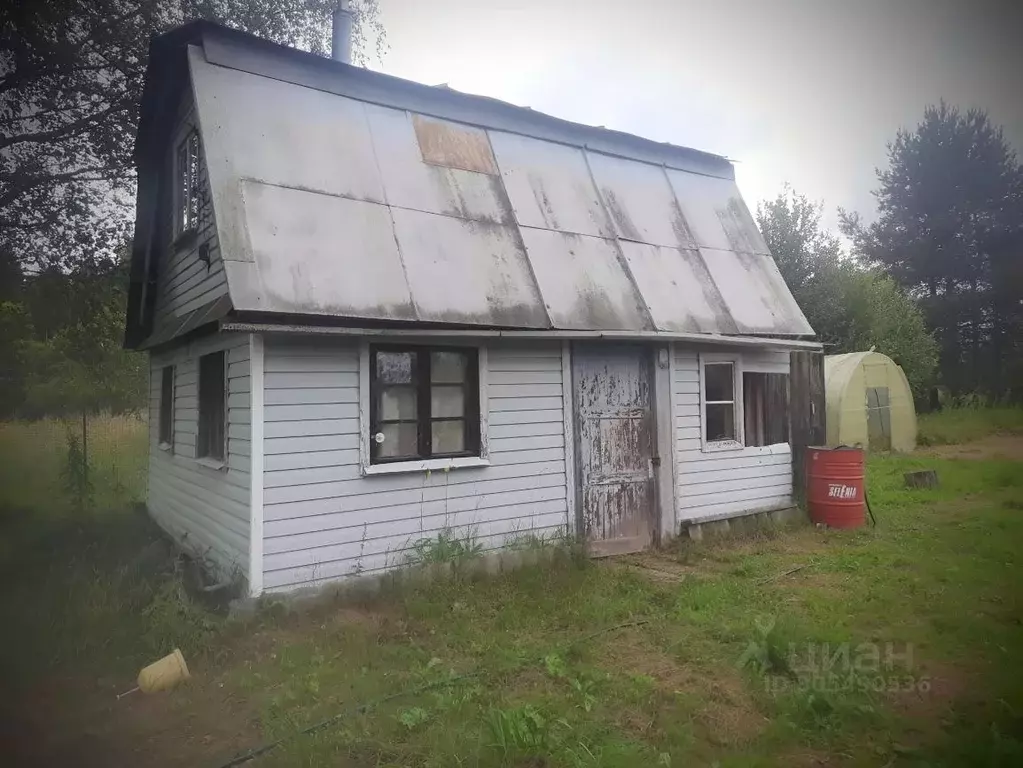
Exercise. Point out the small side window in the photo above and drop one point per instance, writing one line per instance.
(719, 423)
(166, 426)
(186, 193)
(212, 437)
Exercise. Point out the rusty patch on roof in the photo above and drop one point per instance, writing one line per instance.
(454, 146)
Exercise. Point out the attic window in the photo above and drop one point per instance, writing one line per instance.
(186, 195)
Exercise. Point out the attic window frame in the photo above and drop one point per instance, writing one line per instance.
(187, 166)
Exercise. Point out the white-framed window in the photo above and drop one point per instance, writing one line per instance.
(720, 402)
(422, 407)
(741, 408)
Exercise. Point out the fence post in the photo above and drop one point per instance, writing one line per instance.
(85, 450)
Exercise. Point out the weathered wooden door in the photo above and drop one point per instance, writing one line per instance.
(614, 433)
(807, 424)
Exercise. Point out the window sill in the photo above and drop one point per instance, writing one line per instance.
(776, 448)
(206, 461)
(732, 445)
(166, 446)
(723, 445)
(427, 465)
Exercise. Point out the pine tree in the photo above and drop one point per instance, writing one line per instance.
(950, 231)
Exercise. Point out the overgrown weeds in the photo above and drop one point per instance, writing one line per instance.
(92, 589)
(446, 547)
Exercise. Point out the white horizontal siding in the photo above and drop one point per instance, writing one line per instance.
(718, 484)
(206, 510)
(324, 520)
(765, 361)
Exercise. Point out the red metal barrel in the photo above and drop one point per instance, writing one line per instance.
(834, 486)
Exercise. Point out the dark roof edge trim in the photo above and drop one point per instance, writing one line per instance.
(238, 50)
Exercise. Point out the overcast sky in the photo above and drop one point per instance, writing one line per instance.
(802, 91)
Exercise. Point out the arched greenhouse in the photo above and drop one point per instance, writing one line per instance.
(869, 403)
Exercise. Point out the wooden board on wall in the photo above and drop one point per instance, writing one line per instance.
(806, 413)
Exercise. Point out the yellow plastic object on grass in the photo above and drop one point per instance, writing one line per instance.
(162, 675)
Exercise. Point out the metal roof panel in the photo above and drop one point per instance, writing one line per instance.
(410, 182)
(549, 185)
(716, 213)
(583, 283)
(263, 129)
(640, 201)
(321, 254)
(754, 292)
(468, 272)
(677, 289)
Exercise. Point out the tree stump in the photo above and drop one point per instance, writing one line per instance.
(925, 478)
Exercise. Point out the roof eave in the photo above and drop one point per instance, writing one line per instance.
(709, 339)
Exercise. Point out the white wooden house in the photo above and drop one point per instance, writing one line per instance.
(376, 310)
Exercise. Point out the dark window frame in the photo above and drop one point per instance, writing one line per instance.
(187, 163)
(424, 420)
(211, 434)
(165, 424)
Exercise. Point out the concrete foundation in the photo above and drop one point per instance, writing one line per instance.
(699, 530)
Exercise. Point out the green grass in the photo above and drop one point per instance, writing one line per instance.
(962, 425)
(939, 576)
(720, 657)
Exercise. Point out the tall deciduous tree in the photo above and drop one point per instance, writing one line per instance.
(851, 308)
(950, 231)
(808, 257)
(71, 75)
